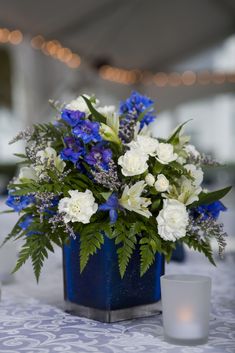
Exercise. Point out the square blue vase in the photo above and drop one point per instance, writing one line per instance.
(100, 293)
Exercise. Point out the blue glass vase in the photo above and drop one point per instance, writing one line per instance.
(101, 294)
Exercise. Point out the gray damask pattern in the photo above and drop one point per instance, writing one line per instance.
(28, 325)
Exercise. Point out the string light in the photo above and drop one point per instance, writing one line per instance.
(13, 37)
(55, 50)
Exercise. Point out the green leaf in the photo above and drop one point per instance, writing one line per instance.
(128, 242)
(20, 155)
(99, 117)
(206, 198)
(7, 211)
(106, 195)
(90, 242)
(24, 255)
(174, 138)
(147, 257)
(156, 204)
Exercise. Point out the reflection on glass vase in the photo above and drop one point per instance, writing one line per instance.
(100, 293)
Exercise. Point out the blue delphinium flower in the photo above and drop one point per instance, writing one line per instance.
(211, 210)
(73, 150)
(54, 203)
(99, 155)
(87, 131)
(18, 203)
(28, 219)
(137, 104)
(72, 117)
(112, 206)
(25, 224)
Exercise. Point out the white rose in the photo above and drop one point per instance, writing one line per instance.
(133, 162)
(196, 173)
(165, 153)
(146, 144)
(162, 183)
(79, 207)
(27, 173)
(80, 104)
(150, 180)
(172, 220)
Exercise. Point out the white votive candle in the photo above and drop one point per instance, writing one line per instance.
(186, 307)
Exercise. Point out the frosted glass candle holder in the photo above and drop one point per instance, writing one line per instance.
(186, 308)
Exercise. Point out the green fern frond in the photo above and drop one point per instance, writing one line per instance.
(89, 244)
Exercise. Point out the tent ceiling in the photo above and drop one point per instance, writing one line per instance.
(145, 34)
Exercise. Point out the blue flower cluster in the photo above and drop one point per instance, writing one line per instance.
(137, 104)
(112, 206)
(99, 155)
(73, 150)
(18, 203)
(72, 117)
(211, 210)
(87, 131)
(25, 224)
(84, 132)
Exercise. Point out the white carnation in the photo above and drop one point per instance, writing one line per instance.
(196, 173)
(146, 144)
(149, 179)
(133, 162)
(172, 220)
(162, 183)
(165, 153)
(79, 207)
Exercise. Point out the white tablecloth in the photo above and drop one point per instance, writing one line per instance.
(32, 319)
(29, 324)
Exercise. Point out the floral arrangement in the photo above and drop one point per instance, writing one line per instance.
(95, 173)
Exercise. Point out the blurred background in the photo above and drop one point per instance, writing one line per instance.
(180, 53)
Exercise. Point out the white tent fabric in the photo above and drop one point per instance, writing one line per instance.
(150, 34)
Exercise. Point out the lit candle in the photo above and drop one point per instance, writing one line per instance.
(185, 301)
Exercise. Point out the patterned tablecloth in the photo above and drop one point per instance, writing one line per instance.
(29, 324)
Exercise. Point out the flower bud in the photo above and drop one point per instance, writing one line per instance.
(150, 180)
(162, 183)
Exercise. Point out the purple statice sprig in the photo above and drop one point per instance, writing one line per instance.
(57, 221)
(205, 230)
(46, 204)
(107, 178)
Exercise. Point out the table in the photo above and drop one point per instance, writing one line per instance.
(29, 324)
(32, 319)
